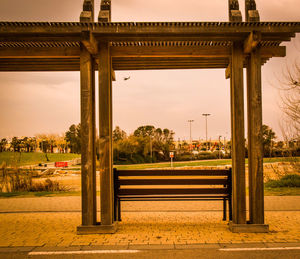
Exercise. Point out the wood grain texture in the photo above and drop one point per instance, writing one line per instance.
(255, 140)
(238, 135)
(105, 134)
(252, 41)
(88, 134)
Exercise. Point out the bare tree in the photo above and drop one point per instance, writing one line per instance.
(290, 97)
(290, 106)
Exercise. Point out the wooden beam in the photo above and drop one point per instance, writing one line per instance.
(181, 29)
(255, 141)
(269, 52)
(59, 52)
(252, 41)
(90, 42)
(238, 135)
(32, 38)
(189, 51)
(141, 52)
(88, 138)
(228, 72)
(105, 135)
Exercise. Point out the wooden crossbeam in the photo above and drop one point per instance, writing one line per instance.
(252, 41)
(90, 42)
(69, 52)
(194, 51)
(269, 52)
(132, 30)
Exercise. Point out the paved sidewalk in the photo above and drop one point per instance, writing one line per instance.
(73, 204)
(22, 224)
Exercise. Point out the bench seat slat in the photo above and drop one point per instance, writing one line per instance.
(173, 197)
(170, 191)
(173, 172)
(173, 181)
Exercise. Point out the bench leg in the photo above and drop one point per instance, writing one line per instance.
(119, 210)
(230, 208)
(115, 209)
(224, 209)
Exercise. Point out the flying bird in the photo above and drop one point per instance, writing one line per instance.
(126, 78)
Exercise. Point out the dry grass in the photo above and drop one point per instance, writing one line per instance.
(15, 180)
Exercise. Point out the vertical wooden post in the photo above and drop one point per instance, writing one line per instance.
(88, 148)
(87, 15)
(238, 135)
(105, 11)
(255, 146)
(105, 120)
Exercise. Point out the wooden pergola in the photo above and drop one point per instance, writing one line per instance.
(87, 46)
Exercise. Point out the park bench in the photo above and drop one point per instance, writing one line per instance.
(172, 185)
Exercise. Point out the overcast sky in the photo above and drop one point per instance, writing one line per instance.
(32, 103)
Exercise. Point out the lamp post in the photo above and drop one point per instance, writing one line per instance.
(190, 121)
(220, 147)
(206, 115)
(150, 136)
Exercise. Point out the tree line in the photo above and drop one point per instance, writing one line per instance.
(145, 145)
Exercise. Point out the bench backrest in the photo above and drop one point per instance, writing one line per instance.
(172, 182)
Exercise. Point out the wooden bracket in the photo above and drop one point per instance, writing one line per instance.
(90, 42)
(228, 71)
(87, 15)
(252, 41)
(113, 75)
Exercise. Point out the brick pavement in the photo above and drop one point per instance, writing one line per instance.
(73, 204)
(143, 224)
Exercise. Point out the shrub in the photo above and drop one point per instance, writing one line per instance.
(206, 155)
(292, 180)
(185, 157)
(18, 181)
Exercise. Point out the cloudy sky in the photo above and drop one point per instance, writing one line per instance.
(32, 103)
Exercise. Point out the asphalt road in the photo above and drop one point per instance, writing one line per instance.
(231, 253)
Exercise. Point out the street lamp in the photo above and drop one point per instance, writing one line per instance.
(190, 121)
(206, 115)
(220, 147)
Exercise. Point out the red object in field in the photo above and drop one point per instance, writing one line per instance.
(61, 164)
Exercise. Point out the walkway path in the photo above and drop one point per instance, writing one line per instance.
(73, 204)
(52, 221)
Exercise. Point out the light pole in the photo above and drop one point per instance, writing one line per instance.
(190, 121)
(220, 147)
(206, 115)
(150, 136)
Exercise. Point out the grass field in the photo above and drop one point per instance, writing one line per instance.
(218, 162)
(21, 159)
